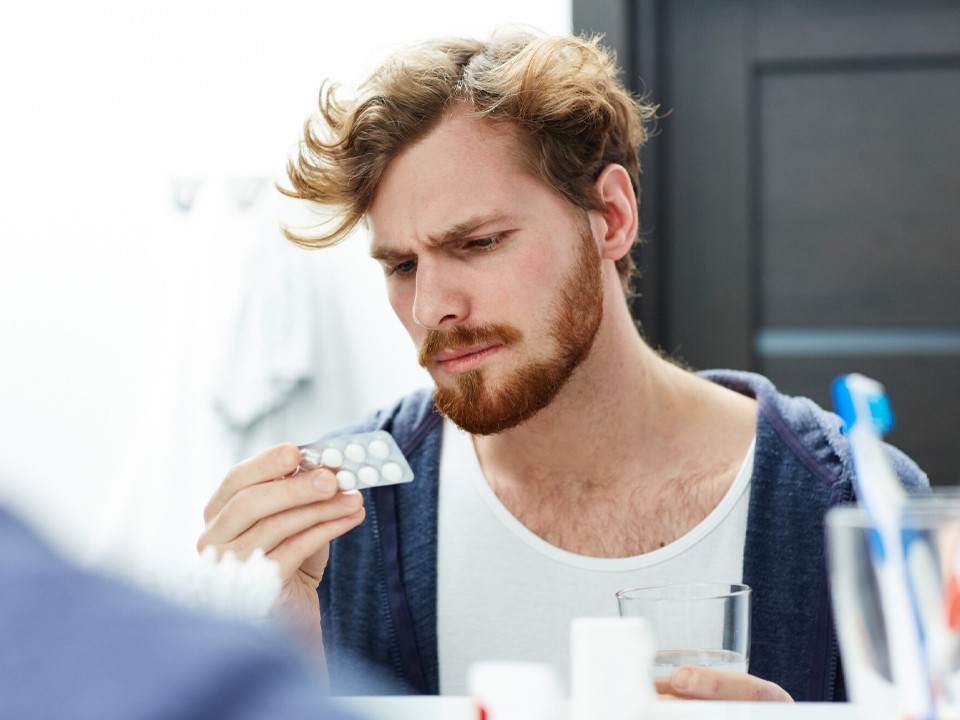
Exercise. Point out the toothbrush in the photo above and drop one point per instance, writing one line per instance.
(903, 563)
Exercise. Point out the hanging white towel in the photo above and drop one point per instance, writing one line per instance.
(269, 351)
(314, 344)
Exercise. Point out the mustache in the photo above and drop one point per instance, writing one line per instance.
(462, 336)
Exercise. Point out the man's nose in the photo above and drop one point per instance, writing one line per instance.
(440, 300)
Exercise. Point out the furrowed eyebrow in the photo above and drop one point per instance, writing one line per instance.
(453, 234)
(466, 228)
(387, 255)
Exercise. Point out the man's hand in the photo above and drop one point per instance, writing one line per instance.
(691, 682)
(293, 519)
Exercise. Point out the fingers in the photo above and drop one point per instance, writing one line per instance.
(702, 683)
(293, 518)
(274, 462)
(251, 505)
(268, 532)
(265, 514)
(294, 551)
(662, 684)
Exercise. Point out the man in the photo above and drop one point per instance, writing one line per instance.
(499, 182)
(79, 645)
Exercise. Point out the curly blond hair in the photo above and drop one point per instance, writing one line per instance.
(574, 115)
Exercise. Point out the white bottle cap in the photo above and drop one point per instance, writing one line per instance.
(514, 690)
(610, 660)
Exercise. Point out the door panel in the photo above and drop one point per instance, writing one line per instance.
(857, 215)
(807, 178)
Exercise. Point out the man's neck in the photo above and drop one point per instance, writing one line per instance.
(614, 407)
(630, 432)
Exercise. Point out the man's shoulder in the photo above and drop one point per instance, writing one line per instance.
(143, 654)
(789, 413)
(789, 428)
(797, 427)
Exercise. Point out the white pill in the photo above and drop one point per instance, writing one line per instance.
(392, 472)
(355, 452)
(368, 476)
(379, 449)
(346, 480)
(331, 457)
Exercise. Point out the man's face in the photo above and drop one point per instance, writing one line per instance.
(496, 278)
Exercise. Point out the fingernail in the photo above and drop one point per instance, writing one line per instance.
(683, 678)
(325, 482)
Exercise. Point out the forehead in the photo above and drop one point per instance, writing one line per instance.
(465, 167)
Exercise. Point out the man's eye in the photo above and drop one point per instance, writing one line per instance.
(404, 268)
(484, 243)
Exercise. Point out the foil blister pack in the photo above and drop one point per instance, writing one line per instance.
(359, 460)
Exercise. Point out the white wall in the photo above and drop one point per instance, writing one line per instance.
(113, 302)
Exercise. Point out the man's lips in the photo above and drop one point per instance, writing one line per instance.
(461, 360)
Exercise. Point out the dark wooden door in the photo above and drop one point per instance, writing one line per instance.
(802, 198)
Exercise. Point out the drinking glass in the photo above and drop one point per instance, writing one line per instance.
(696, 623)
(868, 625)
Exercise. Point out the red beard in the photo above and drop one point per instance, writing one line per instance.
(483, 407)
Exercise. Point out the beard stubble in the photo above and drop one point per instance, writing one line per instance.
(482, 406)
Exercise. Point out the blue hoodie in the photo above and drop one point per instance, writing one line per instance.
(378, 596)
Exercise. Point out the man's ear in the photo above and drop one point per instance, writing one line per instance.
(619, 216)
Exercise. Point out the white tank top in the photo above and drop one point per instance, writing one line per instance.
(503, 593)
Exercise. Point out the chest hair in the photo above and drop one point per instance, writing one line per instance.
(633, 518)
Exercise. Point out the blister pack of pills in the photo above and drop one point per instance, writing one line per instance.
(361, 460)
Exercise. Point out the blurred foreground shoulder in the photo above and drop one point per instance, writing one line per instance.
(80, 645)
